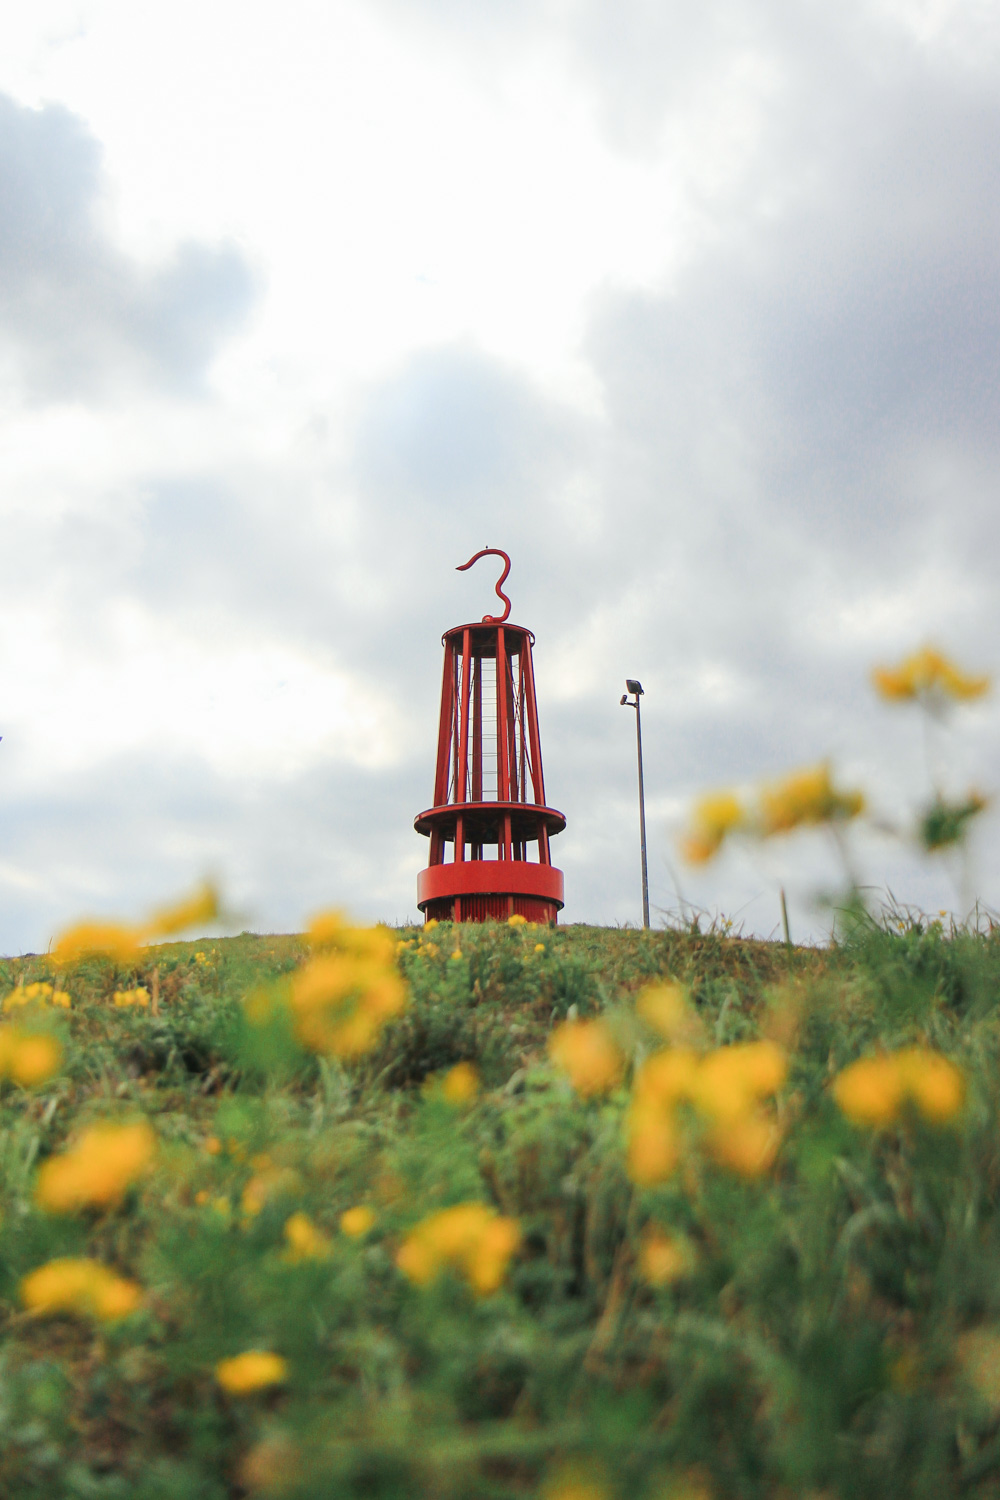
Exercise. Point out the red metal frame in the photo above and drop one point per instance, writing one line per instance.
(473, 811)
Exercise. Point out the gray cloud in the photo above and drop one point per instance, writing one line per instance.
(77, 317)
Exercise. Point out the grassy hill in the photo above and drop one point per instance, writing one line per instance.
(819, 1319)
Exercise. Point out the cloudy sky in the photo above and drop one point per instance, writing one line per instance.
(693, 309)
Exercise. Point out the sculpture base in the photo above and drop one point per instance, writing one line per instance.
(490, 890)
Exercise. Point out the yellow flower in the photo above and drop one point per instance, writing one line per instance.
(457, 955)
(588, 1054)
(29, 1057)
(139, 996)
(746, 1143)
(872, 1090)
(38, 993)
(84, 1287)
(936, 1085)
(806, 797)
(731, 1080)
(662, 1258)
(653, 1145)
(715, 816)
(253, 1371)
(664, 1006)
(517, 920)
(200, 907)
(106, 1160)
(430, 924)
(355, 1222)
(471, 1238)
(726, 1087)
(539, 947)
(486, 1263)
(305, 1242)
(341, 1000)
(105, 939)
(667, 1077)
(460, 1084)
(927, 674)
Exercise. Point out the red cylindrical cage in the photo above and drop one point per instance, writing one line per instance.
(489, 827)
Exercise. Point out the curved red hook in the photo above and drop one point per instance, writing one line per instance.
(495, 552)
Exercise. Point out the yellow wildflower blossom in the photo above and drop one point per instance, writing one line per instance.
(653, 1144)
(38, 993)
(663, 1259)
(746, 1143)
(104, 939)
(105, 1161)
(254, 1370)
(936, 1085)
(667, 1077)
(470, 1238)
(715, 816)
(125, 998)
(806, 797)
(355, 1222)
(517, 920)
(870, 1091)
(727, 1087)
(731, 1080)
(460, 1084)
(927, 674)
(305, 1241)
(342, 998)
(664, 1006)
(873, 1090)
(201, 906)
(588, 1054)
(29, 1057)
(80, 1286)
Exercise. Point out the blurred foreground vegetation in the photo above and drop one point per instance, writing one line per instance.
(824, 1324)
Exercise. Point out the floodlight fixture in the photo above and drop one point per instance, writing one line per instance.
(633, 686)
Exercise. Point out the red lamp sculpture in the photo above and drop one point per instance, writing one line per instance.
(489, 808)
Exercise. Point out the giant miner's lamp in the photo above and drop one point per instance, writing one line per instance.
(489, 827)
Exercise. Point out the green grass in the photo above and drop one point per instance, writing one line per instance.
(838, 1333)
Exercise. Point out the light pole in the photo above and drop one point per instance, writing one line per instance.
(635, 688)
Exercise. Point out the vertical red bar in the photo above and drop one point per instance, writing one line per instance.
(531, 710)
(462, 755)
(503, 752)
(513, 793)
(477, 731)
(445, 727)
(463, 733)
(520, 702)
